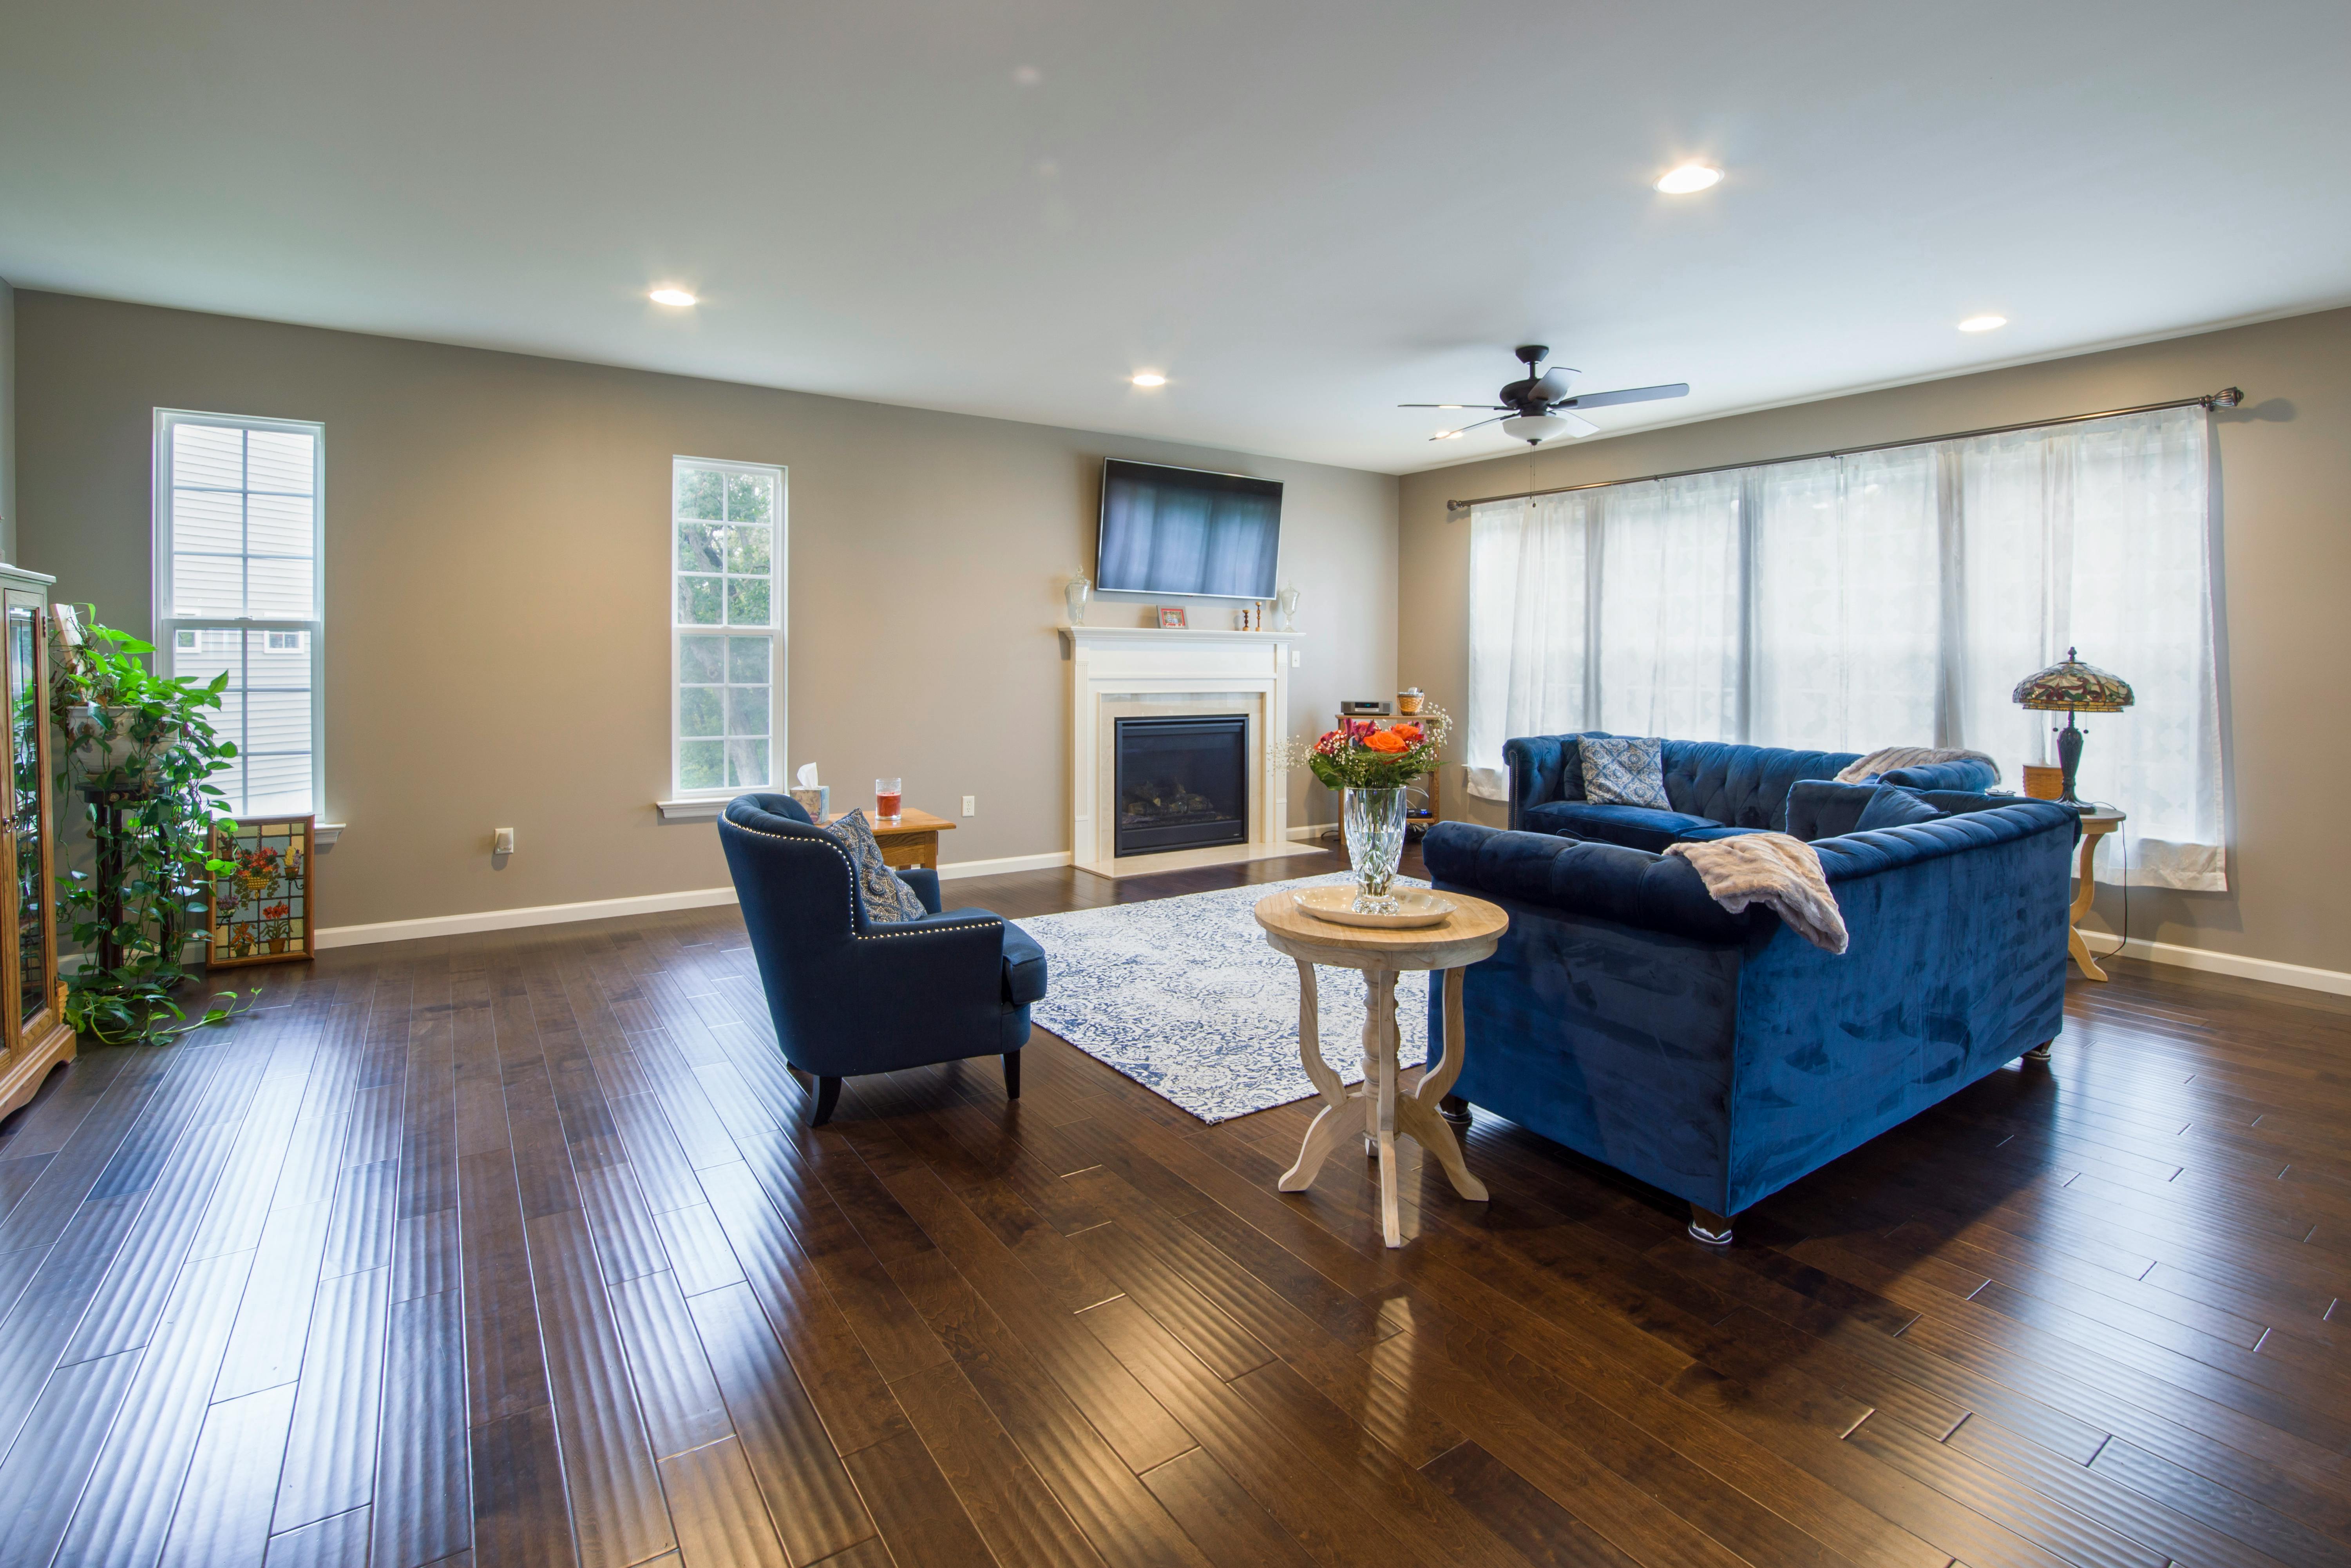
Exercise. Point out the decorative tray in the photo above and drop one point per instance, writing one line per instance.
(1415, 907)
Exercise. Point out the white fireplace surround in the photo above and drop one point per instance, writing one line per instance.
(1126, 672)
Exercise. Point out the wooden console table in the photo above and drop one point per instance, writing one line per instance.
(2095, 825)
(1470, 933)
(913, 841)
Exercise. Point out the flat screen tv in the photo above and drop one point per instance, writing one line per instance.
(1187, 532)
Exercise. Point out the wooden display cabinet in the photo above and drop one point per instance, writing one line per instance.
(36, 1037)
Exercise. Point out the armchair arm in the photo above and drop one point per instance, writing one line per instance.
(1541, 766)
(925, 883)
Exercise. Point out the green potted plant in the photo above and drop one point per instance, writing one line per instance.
(137, 754)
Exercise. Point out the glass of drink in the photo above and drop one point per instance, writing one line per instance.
(887, 795)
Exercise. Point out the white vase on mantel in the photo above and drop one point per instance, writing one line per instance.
(1079, 593)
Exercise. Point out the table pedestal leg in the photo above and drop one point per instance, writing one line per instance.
(1385, 1112)
(2083, 898)
(1330, 1123)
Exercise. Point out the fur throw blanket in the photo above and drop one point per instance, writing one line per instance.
(1780, 872)
(1886, 758)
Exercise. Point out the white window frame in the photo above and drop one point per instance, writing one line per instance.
(166, 623)
(691, 804)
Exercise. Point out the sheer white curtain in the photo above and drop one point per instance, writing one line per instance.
(1883, 599)
(2097, 536)
(1529, 593)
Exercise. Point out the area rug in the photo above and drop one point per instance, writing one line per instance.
(1183, 996)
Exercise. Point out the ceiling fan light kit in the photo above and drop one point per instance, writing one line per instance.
(1534, 409)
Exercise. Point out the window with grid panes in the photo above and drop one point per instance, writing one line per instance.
(238, 525)
(727, 608)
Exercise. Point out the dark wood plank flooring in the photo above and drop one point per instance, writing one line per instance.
(515, 1249)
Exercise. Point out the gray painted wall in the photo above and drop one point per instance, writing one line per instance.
(498, 649)
(7, 421)
(2284, 482)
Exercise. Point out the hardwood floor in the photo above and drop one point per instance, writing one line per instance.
(515, 1249)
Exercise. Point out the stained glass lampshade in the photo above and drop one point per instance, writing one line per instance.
(2069, 688)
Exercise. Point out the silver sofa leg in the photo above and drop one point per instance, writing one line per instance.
(1709, 1226)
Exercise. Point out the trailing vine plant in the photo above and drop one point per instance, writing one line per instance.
(148, 743)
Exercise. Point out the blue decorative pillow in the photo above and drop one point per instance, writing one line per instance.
(1893, 807)
(1624, 770)
(886, 899)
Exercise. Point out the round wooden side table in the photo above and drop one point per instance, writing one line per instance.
(1470, 934)
(2095, 825)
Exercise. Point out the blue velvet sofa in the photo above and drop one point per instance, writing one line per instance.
(850, 996)
(1717, 789)
(1720, 1057)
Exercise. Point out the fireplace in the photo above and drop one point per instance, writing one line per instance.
(1182, 782)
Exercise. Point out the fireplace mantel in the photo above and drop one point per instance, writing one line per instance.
(1123, 670)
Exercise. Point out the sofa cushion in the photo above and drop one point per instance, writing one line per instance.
(1893, 807)
(1716, 830)
(1741, 786)
(1635, 827)
(1966, 773)
(1821, 809)
(1624, 770)
(1024, 967)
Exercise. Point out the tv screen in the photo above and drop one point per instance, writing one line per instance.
(1187, 532)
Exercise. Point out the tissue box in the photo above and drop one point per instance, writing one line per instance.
(817, 802)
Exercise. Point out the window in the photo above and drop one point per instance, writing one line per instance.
(238, 525)
(1885, 598)
(726, 613)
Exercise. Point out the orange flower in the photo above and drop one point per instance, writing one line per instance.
(1386, 740)
(1408, 733)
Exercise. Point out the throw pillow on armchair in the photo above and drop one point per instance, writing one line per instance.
(886, 899)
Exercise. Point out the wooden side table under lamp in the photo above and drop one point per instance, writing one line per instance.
(2070, 687)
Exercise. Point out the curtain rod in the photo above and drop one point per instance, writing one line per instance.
(2227, 397)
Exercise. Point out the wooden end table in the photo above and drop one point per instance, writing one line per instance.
(1470, 934)
(2095, 825)
(911, 841)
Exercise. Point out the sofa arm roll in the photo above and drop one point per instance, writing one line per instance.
(1575, 876)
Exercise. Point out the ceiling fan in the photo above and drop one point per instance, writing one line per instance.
(1533, 409)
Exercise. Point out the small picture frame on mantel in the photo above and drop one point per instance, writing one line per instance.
(1171, 618)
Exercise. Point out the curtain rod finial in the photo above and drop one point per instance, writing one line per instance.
(2227, 397)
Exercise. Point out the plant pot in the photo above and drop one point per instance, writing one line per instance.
(277, 944)
(110, 750)
(1373, 822)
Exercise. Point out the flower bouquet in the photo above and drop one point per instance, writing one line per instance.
(1370, 766)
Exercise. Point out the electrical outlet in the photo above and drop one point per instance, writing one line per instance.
(502, 840)
(971, 805)
(1293, 658)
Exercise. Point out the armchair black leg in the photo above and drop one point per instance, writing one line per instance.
(828, 1095)
(1012, 1075)
(1709, 1226)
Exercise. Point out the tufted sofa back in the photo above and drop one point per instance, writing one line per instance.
(1739, 786)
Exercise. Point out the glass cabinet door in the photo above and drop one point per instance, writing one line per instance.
(27, 762)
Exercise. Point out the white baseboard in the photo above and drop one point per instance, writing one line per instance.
(951, 870)
(1312, 831)
(2301, 975)
(529, 915)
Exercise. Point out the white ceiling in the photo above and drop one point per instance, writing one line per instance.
(1302, 212)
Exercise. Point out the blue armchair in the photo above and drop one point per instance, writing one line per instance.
(850, 996)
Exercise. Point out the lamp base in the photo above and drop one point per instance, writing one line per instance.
(2069, 761)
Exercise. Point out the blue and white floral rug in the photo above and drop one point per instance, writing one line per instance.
(1183, 996)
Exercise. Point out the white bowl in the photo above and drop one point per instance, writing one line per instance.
(1415, 907)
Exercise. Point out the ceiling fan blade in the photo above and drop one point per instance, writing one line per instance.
(1630, 394)
(1449, 434)
(1553, 386)
(1449, 405)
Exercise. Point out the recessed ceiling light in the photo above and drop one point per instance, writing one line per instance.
(1689, 177)
(1982, 323)
(677, 296)
(1150, 378)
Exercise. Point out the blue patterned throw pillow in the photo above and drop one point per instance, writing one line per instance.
(1624, 770)
(886, 899)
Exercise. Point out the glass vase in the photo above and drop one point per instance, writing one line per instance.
(1373, 822)
(1074, 594)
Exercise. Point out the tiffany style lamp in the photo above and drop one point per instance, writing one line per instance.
(2071, 687)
